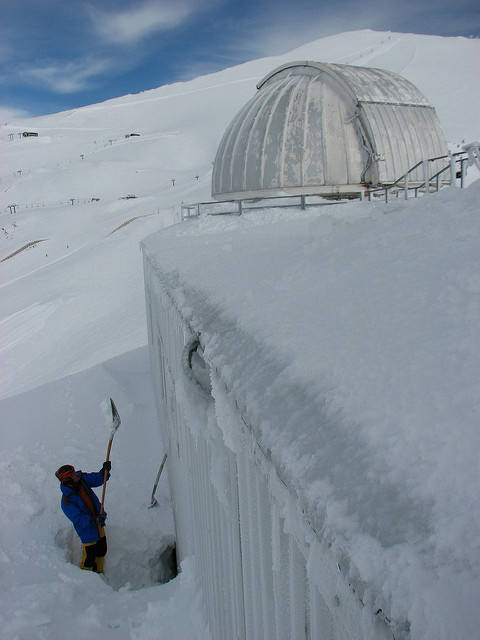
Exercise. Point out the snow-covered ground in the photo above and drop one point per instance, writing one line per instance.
(73, 332)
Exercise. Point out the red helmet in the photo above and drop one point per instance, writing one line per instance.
(65, 472)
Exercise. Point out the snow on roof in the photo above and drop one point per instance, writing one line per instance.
(349, 337)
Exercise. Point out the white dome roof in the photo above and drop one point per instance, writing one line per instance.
(325, 128)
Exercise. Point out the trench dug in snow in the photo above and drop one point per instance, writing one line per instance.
(134, 560)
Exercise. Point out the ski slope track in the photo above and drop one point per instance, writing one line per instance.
(73, 332)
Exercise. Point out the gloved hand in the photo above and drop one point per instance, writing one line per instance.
(100, 519)
(107, 465)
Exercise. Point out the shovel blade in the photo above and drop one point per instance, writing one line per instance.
(115, 416)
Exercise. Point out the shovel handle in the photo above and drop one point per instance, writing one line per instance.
(105, 473)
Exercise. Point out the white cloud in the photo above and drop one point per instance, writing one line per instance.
(130, 25)
(7, 114)
(69, 77)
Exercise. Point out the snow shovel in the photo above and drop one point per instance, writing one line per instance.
(115, 424)
(154, 500)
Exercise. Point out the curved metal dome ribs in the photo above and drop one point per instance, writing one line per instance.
(315, 127)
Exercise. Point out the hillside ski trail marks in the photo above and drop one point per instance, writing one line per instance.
(32, 243)
(124, 224)
(393, 53)
(17, 327)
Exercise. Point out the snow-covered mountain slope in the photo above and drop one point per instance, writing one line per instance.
(84, 154)
(74, 301)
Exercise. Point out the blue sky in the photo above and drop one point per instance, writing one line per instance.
(61, 54)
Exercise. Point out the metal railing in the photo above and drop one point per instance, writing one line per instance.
(237, 207)
(455, 165)
(430, 183)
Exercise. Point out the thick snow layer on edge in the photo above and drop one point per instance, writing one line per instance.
(349, 336)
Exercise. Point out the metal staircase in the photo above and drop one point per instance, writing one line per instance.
(453, 173)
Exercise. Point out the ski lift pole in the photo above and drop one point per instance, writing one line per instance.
(115, 424)
(154, 500)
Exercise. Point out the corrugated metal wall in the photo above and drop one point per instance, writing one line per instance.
(300, 132)
(262, 572)
(403, 136)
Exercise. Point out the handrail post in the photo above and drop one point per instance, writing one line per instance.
(453, 170)
(406, 186)
(426, 176)
(302, 202)
(462, 172)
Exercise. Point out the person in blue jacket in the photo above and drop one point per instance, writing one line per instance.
(81, 505)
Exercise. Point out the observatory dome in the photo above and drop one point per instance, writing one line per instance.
(326, 128)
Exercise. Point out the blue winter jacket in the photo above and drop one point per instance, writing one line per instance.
(77, 511)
